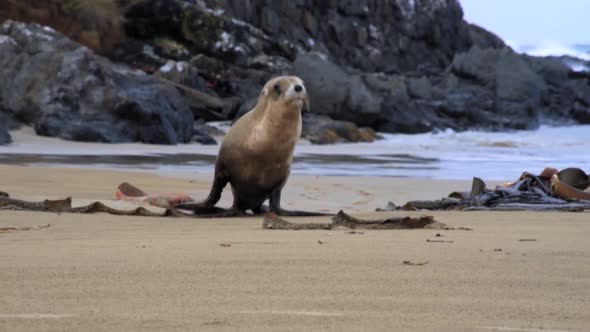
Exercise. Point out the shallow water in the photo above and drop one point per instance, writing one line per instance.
(443, 155)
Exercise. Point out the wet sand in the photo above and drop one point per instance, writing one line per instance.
(102, 272)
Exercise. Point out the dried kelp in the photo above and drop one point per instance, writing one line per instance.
(552, 190)
(65, 206)
(272, 221)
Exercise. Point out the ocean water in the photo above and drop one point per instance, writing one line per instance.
(457, 155)
(442, 155)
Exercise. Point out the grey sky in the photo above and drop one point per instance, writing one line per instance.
(532, 21)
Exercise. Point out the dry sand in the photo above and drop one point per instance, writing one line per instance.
(108, 273)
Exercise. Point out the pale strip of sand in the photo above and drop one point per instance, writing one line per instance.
(102, 272)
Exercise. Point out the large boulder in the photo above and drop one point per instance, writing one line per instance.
(4, 135)
(63, 89)
(393, 65)
(390, 35)
(517, 90)
(336, 93)
(501, 70)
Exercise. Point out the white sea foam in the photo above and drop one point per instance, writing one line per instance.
(550, 49)
(581, 52)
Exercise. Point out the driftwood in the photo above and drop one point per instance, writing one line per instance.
(65, 206)
(272, 221)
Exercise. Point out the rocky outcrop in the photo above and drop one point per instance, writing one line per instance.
(393, 65)
(4, 135)
(97, 24)
(64, 90)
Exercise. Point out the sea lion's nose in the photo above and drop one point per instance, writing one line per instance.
(298, 88)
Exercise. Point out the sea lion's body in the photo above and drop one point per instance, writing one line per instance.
(256, 154)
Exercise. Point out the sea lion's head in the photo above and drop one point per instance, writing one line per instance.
(285, 93)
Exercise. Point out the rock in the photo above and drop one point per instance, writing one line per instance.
(4, 135)
(517, 89)
(96, 24)
(63, 89)
(419, 88)
(515, 80)
(202, 133)
(429, 32)
(483, 39)
(393, 65)
(202, 100)
(203, 30)
(581, 114)
(552, 70)
(326, 83)
(320, 129)
(335, 93)
(500, 69)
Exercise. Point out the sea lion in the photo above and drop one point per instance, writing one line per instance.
(256, 154)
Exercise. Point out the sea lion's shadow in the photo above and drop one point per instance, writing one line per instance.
(201, 211)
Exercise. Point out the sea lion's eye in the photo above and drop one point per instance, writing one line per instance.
(277, 88)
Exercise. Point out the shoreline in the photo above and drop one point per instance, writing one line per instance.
(444, 155)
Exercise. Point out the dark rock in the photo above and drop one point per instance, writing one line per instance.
(4, 135)
(483, 39)
(506, 72)
(419, 88)
(203, 133)
(409, 118)
(64, 90)
(336, 93)
(393, 65)
(205, 30)
(203, 139)
(327, 83)
(95, 24)
(552, 70)
(351, 31)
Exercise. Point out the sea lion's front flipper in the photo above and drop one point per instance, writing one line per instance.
(208, 205)
(275, 206)
(296, 213)
(219, 213)
(199, 208)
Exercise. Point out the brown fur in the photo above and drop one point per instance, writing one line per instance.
(256, 154)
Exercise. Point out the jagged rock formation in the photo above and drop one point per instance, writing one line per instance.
(64, 90)
(394, 65)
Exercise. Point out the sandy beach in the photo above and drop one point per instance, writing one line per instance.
(109, 273)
